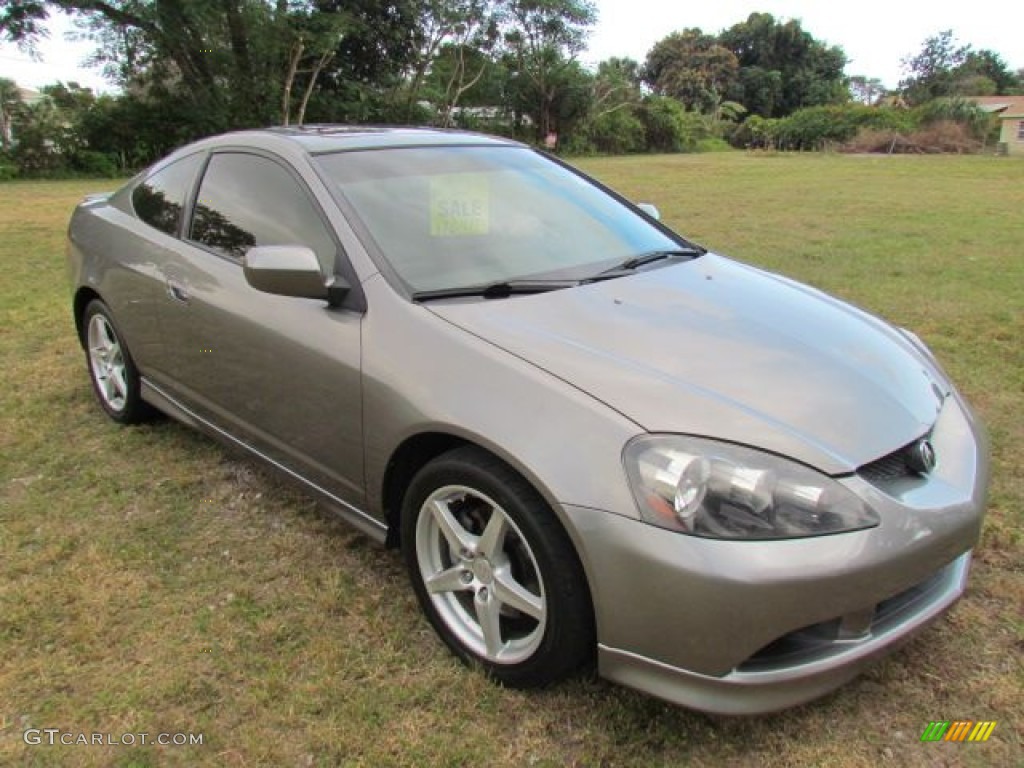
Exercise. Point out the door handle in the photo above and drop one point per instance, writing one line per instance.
(177, 291)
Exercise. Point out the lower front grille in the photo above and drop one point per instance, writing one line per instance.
(825, 638)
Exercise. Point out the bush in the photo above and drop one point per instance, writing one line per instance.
(942, 125)
(945, 136)
(937, 137)
(816, 127)
(7, 172)
(713, 144)
(669, 127)
(577, 144)
(819, 127)
(874, 140)
(89, 163)
(616, 133)
(755, 132)
(956, 110)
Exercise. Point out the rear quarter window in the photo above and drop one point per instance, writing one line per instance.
(160, 198)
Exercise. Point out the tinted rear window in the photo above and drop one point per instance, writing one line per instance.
(160, 199)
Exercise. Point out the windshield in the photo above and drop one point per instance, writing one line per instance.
(448, 217)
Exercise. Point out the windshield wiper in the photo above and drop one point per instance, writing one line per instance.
(505, 288)
(499, 290)
(633, 262)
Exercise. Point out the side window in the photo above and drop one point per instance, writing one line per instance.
(160, 199)
(246, 200)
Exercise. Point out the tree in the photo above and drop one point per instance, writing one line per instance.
(45, 139)
(315, 38)
(466, 66)
(10, 98)
(465, 75)
(727, 111)
(944, 68)
(135, 128)
(988, 65)
(930, 73)
(466, 34)
(23, 22)
(691, 67)
(611, 124)
(543, 39)
(866, 90)
(616, 86)
(451, 28)
(72, 98)
(236, 63)
(221, 57)
(782, 67)
(760, 90)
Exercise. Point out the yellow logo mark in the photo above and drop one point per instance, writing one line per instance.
(982, 731)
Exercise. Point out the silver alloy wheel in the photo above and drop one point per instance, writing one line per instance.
(481, 575)
(106, 361)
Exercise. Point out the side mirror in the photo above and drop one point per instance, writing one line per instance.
(650, 209)
(290, 270)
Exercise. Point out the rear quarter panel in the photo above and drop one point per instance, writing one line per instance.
(119, 258)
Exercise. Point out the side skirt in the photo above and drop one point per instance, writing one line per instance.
(356, 517)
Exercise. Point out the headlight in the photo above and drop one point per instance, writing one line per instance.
(723, 491)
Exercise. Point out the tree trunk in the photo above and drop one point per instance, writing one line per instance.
(4, 129)
(245, 77)
(460, 86)
(286, 97)
(320, 64)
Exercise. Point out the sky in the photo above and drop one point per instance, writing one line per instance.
(876, 34)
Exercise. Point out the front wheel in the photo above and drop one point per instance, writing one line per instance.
(494, 571)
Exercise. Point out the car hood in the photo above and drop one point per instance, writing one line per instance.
(715, 348)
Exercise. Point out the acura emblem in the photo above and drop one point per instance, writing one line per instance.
(921, 456)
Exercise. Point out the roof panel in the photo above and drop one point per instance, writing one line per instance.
(335, 138)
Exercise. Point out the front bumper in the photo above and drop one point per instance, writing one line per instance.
(769, 685)
(747, 627)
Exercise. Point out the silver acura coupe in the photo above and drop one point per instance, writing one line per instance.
(592, 439)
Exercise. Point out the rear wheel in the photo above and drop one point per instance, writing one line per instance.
(114, 377)
(494, 571)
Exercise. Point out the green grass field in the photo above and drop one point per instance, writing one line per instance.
(152, 582)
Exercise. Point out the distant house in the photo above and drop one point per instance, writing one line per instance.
(25, 96)
(29, 95)
(1010, 110)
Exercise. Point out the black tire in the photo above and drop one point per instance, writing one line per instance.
(114, 377)
(525, 582)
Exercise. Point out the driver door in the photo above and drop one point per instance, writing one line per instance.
(280, 374)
